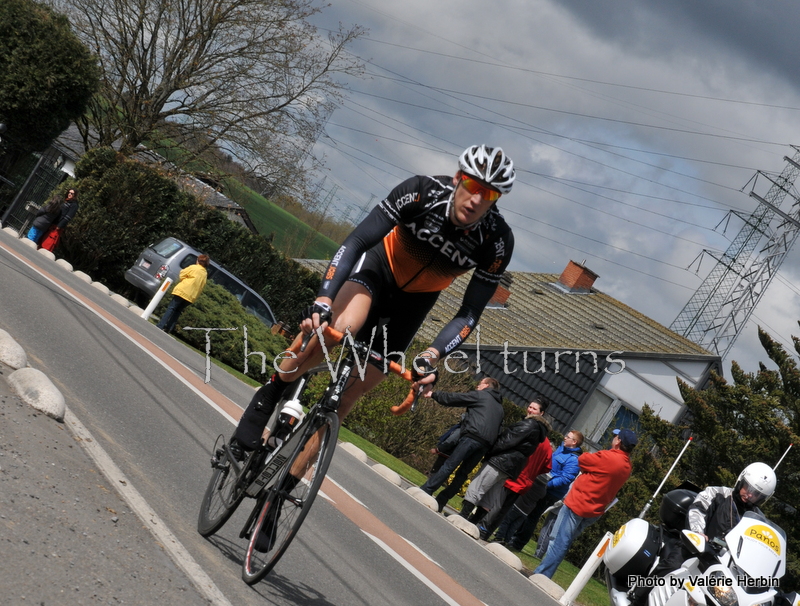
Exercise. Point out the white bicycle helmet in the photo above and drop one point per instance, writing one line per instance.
(490, 165)
(759, 479)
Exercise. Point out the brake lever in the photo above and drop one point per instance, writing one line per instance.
(415, 403)
(306, 340)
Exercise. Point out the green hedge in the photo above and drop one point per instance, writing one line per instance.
(217, 308)
(126, 206)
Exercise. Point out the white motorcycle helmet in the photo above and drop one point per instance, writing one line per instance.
(759, 480)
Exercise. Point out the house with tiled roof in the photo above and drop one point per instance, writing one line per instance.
(596, 359)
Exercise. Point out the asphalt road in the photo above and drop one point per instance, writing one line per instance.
(141, 394)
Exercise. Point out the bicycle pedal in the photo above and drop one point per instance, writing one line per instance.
(218, 460)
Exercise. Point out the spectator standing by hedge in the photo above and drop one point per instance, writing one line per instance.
(479, 430)
(517, 528)
(45, 218)
(505, 460)
(191, 284)
(67, 211)
(531, 481)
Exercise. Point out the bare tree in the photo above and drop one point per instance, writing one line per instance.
(249, 77)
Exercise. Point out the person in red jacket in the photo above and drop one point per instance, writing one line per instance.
(539, 464)
(602, 475)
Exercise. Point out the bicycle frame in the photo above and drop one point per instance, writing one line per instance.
(284, 481)
(329, 402)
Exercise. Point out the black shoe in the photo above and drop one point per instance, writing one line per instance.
(237, 450)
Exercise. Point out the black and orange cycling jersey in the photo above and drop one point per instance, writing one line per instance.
(426, 252)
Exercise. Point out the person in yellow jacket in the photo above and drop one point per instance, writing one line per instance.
(191, 284)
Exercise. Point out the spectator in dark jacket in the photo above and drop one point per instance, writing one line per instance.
(505, 461)
(479, 430)
(530, 483)
(517, 528)
(46, 216)
(68, 209)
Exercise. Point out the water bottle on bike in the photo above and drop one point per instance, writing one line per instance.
(290, 416)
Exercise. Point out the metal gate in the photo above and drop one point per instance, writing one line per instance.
(26, 179)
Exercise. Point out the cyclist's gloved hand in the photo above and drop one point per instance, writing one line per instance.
(421, 368)
(319, 307)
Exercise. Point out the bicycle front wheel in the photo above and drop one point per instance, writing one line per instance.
(222, 496)
(288, 502)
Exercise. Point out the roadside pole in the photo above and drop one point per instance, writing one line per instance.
(157, 298)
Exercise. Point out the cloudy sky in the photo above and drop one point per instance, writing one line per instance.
(634, 127)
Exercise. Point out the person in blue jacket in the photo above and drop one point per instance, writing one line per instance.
(517, 528)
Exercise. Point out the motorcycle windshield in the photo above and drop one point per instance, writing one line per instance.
(758, 546)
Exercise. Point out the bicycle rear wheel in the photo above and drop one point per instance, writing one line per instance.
(288, 502)
(222, 496)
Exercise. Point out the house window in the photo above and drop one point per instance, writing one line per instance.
(595, 415)
(624, 418)
(603, 414)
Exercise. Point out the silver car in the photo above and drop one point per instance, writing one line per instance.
(166, 260)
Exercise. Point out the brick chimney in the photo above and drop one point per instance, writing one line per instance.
(503, 292)
(577, 277)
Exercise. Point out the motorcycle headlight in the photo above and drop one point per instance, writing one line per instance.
(724, 595)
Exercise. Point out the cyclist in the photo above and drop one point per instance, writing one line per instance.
(389, 272)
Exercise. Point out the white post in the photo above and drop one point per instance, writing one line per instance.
(585, 573)
(157, 298)
(783, 457)
(660, 486)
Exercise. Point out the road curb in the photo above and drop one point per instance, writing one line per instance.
(549, 586)
(64, 264)
(36, 390)
(11, 352)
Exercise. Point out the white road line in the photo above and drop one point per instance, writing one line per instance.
(157, 527)
(405, 564)
(422, 553)
(347, 492)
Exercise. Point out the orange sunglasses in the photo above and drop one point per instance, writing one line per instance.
(473, 186)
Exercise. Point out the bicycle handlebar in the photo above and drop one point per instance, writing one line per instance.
(375, 358)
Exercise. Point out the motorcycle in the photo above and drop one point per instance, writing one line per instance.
(743, 569)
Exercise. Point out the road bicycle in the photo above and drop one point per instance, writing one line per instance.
(285, 473)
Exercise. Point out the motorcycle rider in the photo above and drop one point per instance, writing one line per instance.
(717, 509)
(713, 513)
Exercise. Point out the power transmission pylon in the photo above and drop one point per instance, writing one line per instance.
(365, 209)
(720, 308)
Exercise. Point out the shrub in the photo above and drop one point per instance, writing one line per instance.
(217, 308)
(126, 206)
